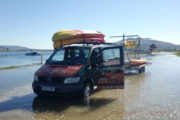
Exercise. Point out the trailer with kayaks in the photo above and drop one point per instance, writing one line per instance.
(134, 63)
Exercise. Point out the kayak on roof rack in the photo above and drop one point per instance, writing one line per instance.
(68, 37)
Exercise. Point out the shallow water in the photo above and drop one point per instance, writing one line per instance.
(150, 95)
(19, 58)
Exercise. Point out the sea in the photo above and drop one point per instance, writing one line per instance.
(8, 59)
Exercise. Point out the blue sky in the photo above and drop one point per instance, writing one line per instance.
(31, 23)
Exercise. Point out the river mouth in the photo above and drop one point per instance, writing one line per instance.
(150, 95)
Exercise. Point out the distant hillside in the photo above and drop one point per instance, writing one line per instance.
(11, 48)
(146, 42)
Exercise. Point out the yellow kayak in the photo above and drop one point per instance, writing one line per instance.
(130, 44)
(67, 37)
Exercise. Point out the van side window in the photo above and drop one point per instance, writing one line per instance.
(111, 57)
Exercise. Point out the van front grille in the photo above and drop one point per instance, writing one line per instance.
(50, 80)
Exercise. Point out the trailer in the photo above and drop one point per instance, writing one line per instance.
(129, 66)
(133, 69)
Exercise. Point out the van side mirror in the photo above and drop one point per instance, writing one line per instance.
(46, 60)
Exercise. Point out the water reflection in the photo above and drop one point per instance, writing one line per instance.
(14, 103)
(137, 78)
(77, 109)
(134, 84)
(59, 104)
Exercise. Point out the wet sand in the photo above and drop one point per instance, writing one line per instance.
(152, 95)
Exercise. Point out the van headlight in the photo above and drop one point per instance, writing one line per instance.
(35, 78)
(71, 80)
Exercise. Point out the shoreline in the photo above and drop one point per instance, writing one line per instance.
(177, 53)
(20, 66)
(23, 50)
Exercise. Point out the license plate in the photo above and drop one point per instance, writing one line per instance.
(44, 88)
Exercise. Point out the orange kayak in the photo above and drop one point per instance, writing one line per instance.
(137, 61)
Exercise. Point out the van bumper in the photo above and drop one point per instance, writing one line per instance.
(60, 90)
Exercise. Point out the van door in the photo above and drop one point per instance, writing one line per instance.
(112, 68)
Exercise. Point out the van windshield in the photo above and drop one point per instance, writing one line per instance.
(70, 56)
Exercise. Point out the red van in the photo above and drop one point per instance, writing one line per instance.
(77, 69)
